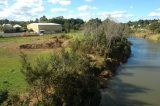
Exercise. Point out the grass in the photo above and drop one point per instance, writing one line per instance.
(154, 37)
(27, 39)
(11, 77)
(149, 36)
(76, 35)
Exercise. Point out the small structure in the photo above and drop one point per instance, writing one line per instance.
(7, 28)
(45, 27)
(17, 26)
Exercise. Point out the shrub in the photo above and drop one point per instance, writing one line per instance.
(64, 80)
(3, 96)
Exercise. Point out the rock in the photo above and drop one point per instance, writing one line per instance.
(106, 74)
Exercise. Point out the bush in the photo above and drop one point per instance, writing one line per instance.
(78, 90)
(65, 80)
(3, 96)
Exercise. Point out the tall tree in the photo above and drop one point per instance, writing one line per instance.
(43, 19)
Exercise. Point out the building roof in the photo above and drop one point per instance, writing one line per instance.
(17, 26)
(6, 25)
(44, 24)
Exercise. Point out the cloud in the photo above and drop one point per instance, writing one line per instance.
(88, 0)
(83, 15)
(155, 13)
(3, 2)
(55, 10)
(120, 16)
(31, 9)
(61, 2)
(23, 10)
(158, 9)
(115, 14)
(86, 8)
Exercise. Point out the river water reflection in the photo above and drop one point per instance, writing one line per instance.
(138, 81)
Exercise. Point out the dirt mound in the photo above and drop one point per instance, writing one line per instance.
(43, 45)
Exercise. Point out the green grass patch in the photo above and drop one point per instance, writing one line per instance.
(11, 77)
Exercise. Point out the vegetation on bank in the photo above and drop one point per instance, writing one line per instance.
(74, 75)
(149, 29)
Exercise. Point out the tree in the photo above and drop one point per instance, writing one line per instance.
(43, 19)
(67, 26)
(59, 83)
(36, 20)
(155, 27)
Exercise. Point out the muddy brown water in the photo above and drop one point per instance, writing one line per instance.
(137, 82)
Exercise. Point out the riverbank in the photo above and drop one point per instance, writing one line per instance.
(118, 54)
(149, 36)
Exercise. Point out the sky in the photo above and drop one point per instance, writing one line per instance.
(120, 10)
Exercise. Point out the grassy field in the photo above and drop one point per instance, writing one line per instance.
(11, 77)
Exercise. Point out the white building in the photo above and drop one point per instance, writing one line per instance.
(45, 27)
(17, 26)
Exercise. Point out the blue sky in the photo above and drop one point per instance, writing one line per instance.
(120, 10)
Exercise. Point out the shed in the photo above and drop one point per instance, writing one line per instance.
(7, 28)
(45, 27)
(17, 26)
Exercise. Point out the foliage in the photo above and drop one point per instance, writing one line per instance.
(104, 33)
(66, 26)
(118, 53)
(78, 90)
(145, 25)
(43, 19)
(58, 80)
(155, 27)
(141, 23)
(3, 96)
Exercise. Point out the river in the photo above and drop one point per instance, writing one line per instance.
(137, 82)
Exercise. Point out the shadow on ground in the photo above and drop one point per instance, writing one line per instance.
(118, 92)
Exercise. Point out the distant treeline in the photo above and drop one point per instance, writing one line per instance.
(68, 24)
(152, 25)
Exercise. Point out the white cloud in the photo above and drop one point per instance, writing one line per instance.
(155, 13)
(61, 2)
(86, 8)
(3, 2)
(31, 9)
(55, 10)
(88, 0)
(38, 9)
(84, 15)
(23, 10)
(121, 16)
(115, 14)
(158, 9)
